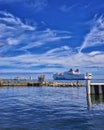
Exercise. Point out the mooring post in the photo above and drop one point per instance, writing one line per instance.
(88, 88)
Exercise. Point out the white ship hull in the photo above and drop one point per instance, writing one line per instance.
(69, 77)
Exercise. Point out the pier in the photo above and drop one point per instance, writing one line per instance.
(94, 88)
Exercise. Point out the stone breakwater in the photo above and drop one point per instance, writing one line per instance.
(41, 82)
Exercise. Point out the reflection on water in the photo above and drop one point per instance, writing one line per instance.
(95, 100)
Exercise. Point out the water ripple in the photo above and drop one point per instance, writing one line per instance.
(47, 108)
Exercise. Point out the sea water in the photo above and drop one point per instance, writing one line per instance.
(49, 108)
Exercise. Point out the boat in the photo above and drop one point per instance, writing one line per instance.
(72, 75)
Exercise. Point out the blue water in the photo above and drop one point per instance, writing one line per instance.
(49, 108)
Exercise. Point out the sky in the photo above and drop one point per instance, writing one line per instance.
(51, 35)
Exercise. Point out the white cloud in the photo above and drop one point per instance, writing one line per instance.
(63, 57)
(66, 8)
(63, 51)
(47, 36)
(12, 29)
(35, 5)
(96, 35)
(95, 53)
(12, 41)
(14, 21)
(14, 32)
(38, 5)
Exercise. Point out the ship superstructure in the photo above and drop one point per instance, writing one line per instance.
(72, 75)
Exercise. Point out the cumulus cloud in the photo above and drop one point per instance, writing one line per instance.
(96, 35)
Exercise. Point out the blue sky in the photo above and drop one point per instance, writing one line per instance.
(50, 35)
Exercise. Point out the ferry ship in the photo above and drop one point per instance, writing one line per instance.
(72, 75)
